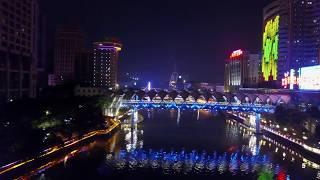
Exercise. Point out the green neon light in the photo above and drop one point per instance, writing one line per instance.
(270, 49)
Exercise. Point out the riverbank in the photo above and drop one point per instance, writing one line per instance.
(295, 142)
(18, 167)
(292, 140)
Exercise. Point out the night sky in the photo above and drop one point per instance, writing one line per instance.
(195, 35)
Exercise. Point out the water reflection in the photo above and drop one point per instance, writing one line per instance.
(231, 148)
(178, 116)
(254, 145)
(133, 137)
(175, 162)
(198, 114)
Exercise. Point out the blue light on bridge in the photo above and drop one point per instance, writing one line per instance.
(215, 106)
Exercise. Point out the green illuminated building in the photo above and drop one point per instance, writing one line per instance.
(291, 38)
(270, 49)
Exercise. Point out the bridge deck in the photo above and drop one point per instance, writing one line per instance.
(194, 105)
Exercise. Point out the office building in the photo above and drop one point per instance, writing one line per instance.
(253, 68)
(69, 44)
(241, 70)
(84, 68)
(105, 63)
(18, 49)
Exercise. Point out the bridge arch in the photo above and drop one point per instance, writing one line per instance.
(257, 100)
(224, 99)
(268, 101)
(135, 97)
(179, 99)
(212, 100)
(157, 99)
(235, 100)
(167, 99)
(146, 98)
(246, 100)
(280, 101)
(190, 99)
(201, 100)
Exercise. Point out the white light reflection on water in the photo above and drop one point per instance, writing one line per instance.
(133, 137)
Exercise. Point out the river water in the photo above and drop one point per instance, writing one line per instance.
(186, 144)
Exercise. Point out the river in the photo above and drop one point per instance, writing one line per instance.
(188, 145)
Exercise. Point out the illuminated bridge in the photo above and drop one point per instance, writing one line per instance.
(257, 108)
(240, 102)
(257, 103)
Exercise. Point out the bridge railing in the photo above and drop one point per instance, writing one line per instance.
(195, 103)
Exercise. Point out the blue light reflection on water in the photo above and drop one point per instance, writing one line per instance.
(176, 162)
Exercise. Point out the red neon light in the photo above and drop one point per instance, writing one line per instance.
(287, 80)
(236, 53)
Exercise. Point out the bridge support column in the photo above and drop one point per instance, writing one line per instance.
(258, 119)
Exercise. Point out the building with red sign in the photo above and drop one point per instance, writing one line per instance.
(241, 70)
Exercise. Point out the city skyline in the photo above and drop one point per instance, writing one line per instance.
(96, 89)
(160, 33)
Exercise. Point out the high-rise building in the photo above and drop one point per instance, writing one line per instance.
(253, 76)
(241, 70)
(84, 68)
(18, 48)
(69, 44)
(275, 47)
(42, 76)
(291, 37)
(105, 63)
(305, 33)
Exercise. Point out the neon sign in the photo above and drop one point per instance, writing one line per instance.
(270, 49)
(236, 53)
(290, 79)
(309, 78)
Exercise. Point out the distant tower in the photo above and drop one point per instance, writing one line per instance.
(174, 78)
